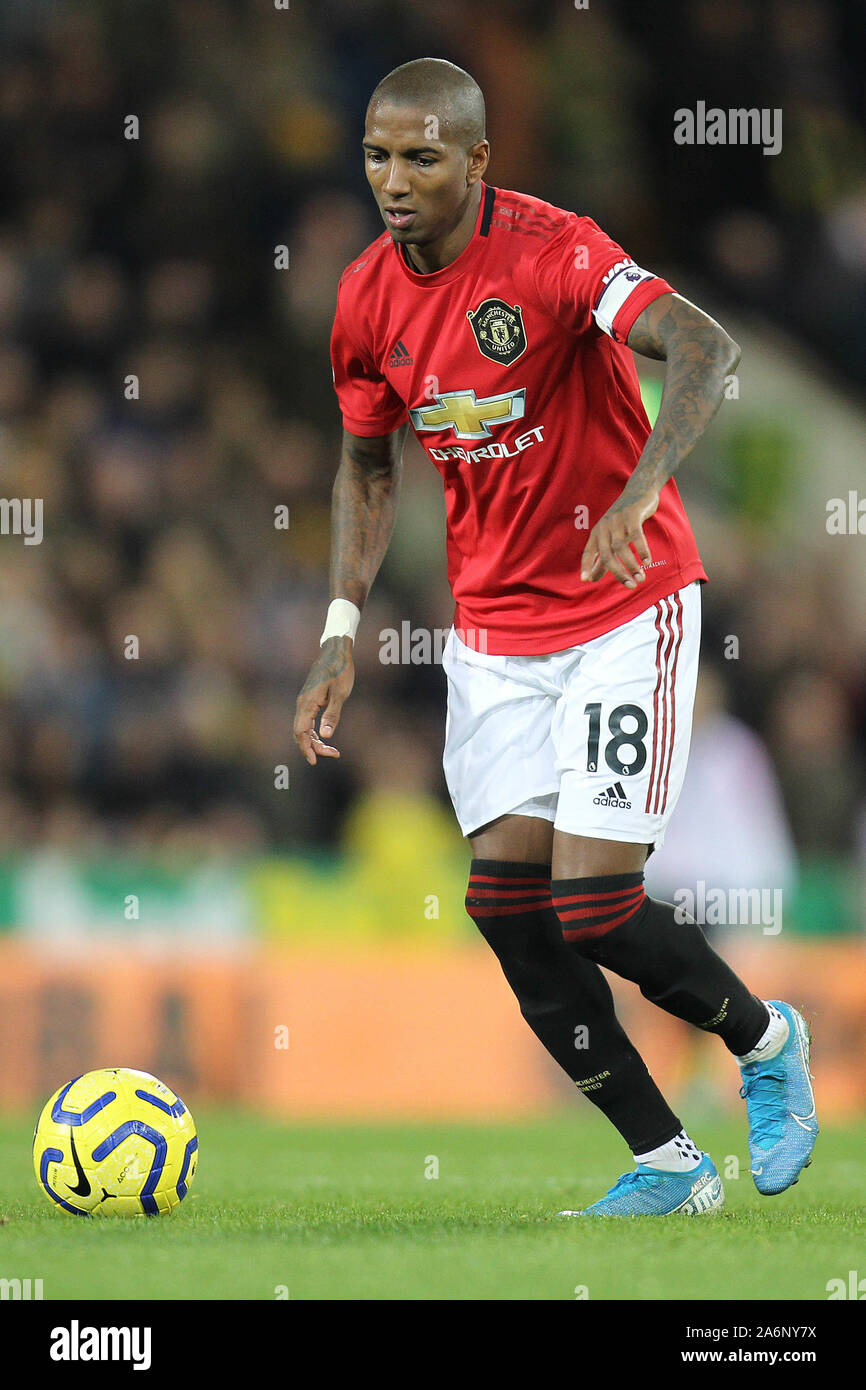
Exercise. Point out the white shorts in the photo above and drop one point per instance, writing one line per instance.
(594, 738)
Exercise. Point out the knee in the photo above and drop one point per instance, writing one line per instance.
(590, 910)
(505, 892)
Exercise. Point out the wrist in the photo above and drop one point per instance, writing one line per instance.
(342, 620)
(640, 489)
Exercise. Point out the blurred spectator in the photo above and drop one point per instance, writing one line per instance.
(819, 765)
(729, 828)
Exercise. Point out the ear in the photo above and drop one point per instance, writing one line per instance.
(477, 161)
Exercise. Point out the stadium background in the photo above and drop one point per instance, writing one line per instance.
(165, 900)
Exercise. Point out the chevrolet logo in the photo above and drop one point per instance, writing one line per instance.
(466, 415)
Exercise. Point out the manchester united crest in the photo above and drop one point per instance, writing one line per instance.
(498, 329)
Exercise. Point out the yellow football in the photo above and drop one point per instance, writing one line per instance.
(115, 1142)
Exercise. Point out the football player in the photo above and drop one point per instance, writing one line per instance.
(502, 329)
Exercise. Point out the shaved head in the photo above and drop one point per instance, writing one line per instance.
(441, 90)
(425, 154)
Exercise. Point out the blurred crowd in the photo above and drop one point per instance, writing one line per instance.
(165, 389)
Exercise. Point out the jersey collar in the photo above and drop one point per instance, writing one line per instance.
(473, 248)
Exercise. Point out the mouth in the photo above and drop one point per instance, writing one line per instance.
(399, 217)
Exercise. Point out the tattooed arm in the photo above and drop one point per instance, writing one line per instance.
(363, 508)
(699, 355)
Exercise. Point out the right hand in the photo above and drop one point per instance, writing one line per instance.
(327, 687)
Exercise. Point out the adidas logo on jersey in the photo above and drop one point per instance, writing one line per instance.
(615, 796)
(400, 355)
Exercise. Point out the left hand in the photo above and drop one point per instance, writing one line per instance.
(616, 539)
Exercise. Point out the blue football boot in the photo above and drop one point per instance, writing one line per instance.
(653, 1192)
(781, 1106)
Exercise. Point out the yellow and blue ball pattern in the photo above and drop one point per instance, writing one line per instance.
(115, 1142)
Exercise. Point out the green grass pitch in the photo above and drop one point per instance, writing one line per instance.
(348, 1213)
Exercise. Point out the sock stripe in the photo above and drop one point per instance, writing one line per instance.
(622, 893)
(604, 883)
(523, 895)
(508, 895)
(507, 889)
(629, 905)
(595, 928)
(592, 907)
(508, 910)
(481, 901)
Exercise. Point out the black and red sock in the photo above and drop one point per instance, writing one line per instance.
(566, 1000)
(610, 920)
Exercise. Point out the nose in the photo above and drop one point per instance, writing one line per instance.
(395, 183)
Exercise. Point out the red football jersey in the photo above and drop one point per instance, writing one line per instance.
(511, 365)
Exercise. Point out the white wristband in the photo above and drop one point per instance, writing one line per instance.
(342, 620)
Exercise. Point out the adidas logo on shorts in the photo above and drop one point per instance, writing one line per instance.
(614, 796)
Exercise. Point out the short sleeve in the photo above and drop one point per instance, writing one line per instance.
(369, 404)
(585, 279)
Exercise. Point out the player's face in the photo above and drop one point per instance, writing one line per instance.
(419, 181)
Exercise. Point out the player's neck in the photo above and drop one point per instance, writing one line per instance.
(436, 255)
